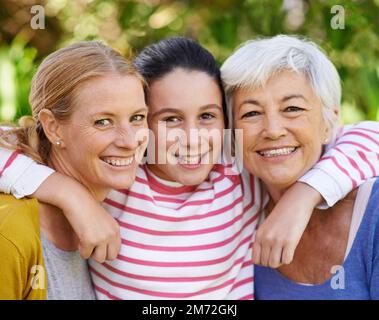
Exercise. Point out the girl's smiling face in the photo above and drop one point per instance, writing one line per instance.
(186, 117)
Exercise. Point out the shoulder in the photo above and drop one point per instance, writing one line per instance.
(373, 202)
(19, 224)
(370, 222)
(20, 248)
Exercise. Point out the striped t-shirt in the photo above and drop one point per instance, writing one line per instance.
(182, 242)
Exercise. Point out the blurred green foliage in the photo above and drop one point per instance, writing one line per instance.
(220, 25)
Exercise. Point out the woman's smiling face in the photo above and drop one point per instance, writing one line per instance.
(283, 128)
(100, 137)
(186, 117)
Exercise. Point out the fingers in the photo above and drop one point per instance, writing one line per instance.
(265, 255)
(100, 253)
(113, 249)
(288, 254)
(275, 258)
(271, 251)
(257, 253)
(85, 250)
(101, 241)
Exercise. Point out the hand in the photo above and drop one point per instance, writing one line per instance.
(98, 232)
(99, 239)
(277, 238)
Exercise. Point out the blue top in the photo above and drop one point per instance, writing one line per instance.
(357, 279)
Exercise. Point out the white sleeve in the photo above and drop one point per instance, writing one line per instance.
(22, 176)
(346, 164)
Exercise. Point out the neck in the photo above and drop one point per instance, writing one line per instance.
(56, 228)
(158, 173)
(275, 192)
(57, 162)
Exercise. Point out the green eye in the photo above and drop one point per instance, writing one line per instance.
(137, 117)
(102, 122)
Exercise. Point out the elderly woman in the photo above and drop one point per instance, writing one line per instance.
(285, 95)
(89, 105)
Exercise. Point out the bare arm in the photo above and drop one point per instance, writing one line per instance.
(97, 230)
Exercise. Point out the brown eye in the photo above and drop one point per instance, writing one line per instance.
(172, 119)
(293, 109)
(207, 116)
(251, 114)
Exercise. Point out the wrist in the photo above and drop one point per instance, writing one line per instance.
(309, 193)
(62, 191)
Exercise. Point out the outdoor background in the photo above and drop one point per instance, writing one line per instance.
(219, 25)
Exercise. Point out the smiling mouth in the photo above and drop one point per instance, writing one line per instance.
(277, 152)
(190, 160)
(118, 161)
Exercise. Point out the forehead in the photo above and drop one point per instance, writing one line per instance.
(282, 84)
(183, 89)
(111, 93)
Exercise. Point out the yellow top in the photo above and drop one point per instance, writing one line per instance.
(22, 269)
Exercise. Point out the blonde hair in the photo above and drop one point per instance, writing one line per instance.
(55, 86)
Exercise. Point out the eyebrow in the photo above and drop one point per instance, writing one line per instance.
(210, 106)
(107, 113)
(285, 98)
(143, 109)
(293, 96)
(173, 110)
(250, 101)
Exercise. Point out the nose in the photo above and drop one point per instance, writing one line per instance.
(274, 126)
(192, 139)
(129, 137)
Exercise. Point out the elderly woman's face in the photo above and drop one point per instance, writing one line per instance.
(100, 145)
(283, 128)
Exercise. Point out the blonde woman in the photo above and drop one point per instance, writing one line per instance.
(73, 91)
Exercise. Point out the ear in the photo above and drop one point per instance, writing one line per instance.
(51, 127)
(327, 137)
(328, 134)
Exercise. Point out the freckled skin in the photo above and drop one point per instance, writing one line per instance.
(120, 100)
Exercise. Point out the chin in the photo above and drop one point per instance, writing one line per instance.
(121, 183)
(193, 179)
(280, 179)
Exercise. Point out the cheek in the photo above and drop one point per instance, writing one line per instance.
(250, 136)
(91, 143)
(215, 137)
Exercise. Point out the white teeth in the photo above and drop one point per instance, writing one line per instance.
(119, 162)
(277, 152)
(189, 159)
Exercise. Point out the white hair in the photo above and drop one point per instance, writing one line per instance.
(256, 61)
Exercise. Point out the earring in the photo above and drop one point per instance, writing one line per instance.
(58, 143)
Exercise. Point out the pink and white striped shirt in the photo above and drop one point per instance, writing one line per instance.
(182, 242)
